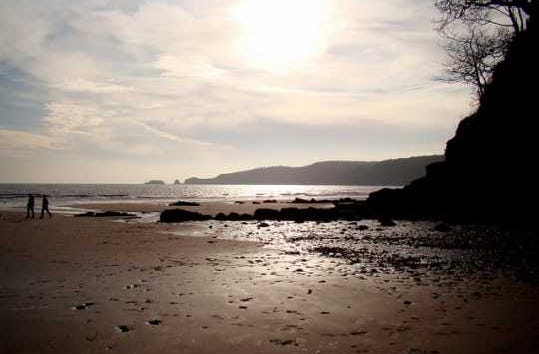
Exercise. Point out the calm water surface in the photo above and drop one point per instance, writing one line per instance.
(15, 195)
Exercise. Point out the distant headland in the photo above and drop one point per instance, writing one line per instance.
(393, 172)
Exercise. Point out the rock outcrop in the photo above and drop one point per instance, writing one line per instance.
(342, 211)
(489, 170)
(184, 203)
(179, 215)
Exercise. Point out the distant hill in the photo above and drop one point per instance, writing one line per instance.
(394, 172)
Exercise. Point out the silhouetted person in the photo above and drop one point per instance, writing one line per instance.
(45, 206)
(30, 206)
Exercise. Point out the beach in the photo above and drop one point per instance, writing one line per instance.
(92, 285)
(265, 177)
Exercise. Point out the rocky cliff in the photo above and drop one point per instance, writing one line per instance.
(489, 172)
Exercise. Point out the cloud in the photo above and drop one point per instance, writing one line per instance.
(74, 117)
(202, 145)
(17, 143)
(144, 77)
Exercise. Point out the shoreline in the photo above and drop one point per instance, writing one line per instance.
(206, 294)
(210, 208)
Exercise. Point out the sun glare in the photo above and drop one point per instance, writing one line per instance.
(277, 34)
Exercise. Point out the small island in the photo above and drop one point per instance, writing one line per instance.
(177, 181)
(155, 181)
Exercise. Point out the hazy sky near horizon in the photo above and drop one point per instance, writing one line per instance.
(124, 91)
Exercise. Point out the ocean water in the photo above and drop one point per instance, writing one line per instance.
(14, 196)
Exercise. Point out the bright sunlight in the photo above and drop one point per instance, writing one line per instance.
(280, 34)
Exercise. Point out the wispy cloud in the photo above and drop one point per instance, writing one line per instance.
(145, 77)
(19, 143)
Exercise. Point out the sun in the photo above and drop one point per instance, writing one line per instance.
(276, 34)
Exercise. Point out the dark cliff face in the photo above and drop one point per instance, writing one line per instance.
(489, 170)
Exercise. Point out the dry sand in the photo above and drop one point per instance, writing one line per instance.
(71, 285)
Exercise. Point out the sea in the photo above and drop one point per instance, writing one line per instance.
(64, 196)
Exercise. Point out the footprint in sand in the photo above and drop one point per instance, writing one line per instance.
(283, 342)
(83, 306)
(92, 337)
(291, 327)
(123, 328)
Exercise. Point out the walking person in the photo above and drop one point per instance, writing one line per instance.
(30, 206)
(45, 206)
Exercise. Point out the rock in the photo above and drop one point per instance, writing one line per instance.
(179, 215)
(323, 201)
(303, 201)
(442, 227)
(307, 214)
(387, 222)
(362, 227)
(220, 216)
(123, 328)
(233, 217)
(263, 224)
(267, 201)
(266, 214)
(293, 214)
(494, 146)
(112, 213)
(87, 214)
(183, 203)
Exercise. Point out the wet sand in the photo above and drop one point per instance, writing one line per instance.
(85, 285)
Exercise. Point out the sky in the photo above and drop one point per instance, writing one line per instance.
(124, 91)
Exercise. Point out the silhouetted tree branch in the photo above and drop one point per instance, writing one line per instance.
(476, 34)
(473, 55)
(479, 11)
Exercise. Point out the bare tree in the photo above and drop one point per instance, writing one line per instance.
(476, 34)
(473, 55)
(507, 13)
